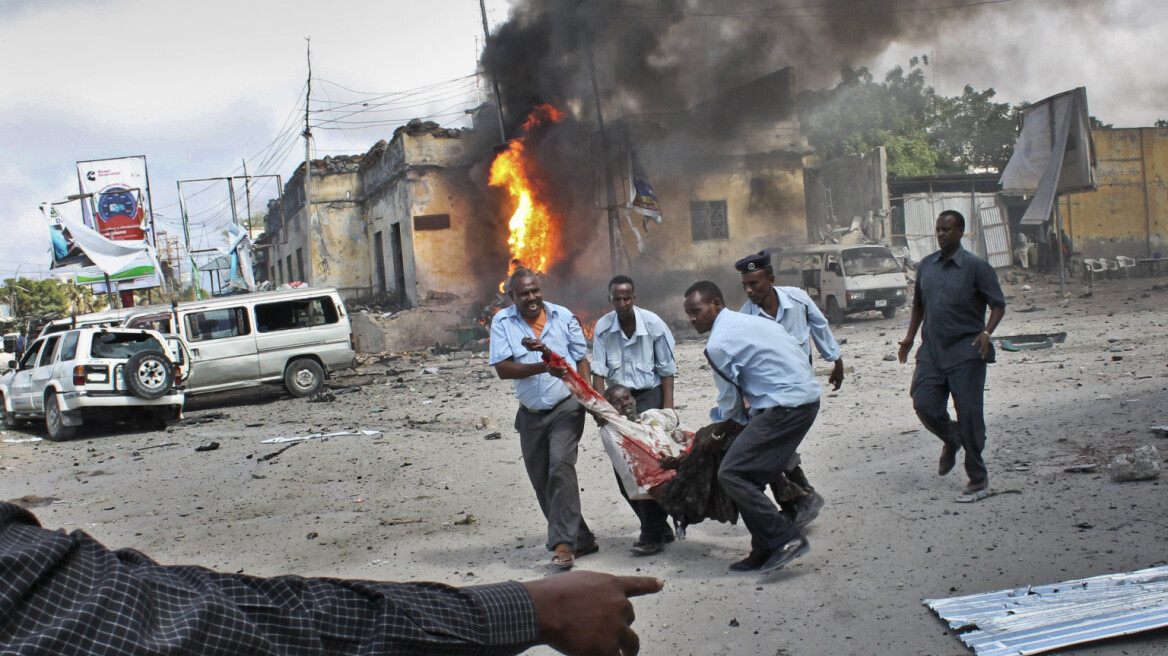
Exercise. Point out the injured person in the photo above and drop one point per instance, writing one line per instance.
(651, 454)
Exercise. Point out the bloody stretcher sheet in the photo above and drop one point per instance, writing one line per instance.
(634, 448)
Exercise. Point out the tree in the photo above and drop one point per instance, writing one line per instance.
(1098, 124)
(36, 297)
(1161, 123)
(924, 133)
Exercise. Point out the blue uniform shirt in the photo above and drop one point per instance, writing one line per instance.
(637, 362)
(798, 314)
(561, 333)
(954, 293)
(762, 359)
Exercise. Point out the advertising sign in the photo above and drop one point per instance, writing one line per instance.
(120, 198)
(65, 249)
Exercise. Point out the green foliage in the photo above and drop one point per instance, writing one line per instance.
(924, 133)
(1098, 124)
(1161, 123)
(36, 297)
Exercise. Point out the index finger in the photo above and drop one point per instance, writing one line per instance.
(635, 586)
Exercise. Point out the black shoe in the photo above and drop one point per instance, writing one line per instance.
(647, 548)
(948, 460)
(754, 561)
(786, 554)
(669, 536)
(807, 508)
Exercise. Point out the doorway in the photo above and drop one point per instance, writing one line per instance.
(378, 264)
(399, 266)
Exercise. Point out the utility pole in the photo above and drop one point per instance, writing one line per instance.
(308, 140)
(613, 219)
(247, 191)
(494, 80)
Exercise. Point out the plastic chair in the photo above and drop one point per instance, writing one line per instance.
(1125, 264)
(1092, 267)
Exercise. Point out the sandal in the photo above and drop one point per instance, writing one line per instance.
(563, 557)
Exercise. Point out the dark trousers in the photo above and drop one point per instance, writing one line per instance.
(654, 520)
(755, 458)
(549, 443)
(931, 389)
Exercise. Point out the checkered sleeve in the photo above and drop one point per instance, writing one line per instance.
(66, 593)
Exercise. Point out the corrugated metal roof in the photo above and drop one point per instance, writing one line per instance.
(1038, 619)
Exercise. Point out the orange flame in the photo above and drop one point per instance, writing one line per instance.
(532, 235)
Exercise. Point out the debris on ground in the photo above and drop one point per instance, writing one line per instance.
(277, 453)
(1087, 468)
(1035, 619)
(1143, 464)
(22, 440)
(325, 395)
(430, 370)
(301, 438)
(139, 450)
(1158, 431)
(205, 418)
(466, 520)
(493, 436)
(347, 390)
(210, 446)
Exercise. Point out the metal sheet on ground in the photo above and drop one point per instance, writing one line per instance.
(1038, 619)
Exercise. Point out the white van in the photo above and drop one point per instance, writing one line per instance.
(847, 278)
(295, 337)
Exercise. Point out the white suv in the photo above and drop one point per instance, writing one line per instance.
(69, 376)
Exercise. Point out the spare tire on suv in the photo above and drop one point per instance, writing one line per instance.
(148, 374)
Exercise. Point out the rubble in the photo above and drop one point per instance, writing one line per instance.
(1143, 464)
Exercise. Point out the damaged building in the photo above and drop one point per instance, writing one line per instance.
(387, 223)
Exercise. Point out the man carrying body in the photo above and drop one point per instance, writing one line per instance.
(69, 594)
(549, 421)
(794, 310)
(755, 360)
(633, 347)
(952, 291)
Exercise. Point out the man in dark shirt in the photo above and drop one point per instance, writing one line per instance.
(952, 291)
(68, 594)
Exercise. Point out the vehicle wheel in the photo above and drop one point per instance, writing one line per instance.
(889, 312)
(55, 428)
(834, 314)
(8, 418)
(149, 374)
(303, 377)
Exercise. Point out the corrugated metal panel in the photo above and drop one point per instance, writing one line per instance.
(995, 233)
(1038, 619)
(920, 218)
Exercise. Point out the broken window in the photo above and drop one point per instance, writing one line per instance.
(298, 313)
(708, 220)
(217, 324)
(122, 346)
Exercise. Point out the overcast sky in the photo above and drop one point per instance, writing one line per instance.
(199, 86)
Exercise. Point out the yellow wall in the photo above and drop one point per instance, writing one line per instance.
(1128, 214)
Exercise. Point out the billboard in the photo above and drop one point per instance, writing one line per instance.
(1055, 153)
(65, 250)
(120, 193)
(117, 206)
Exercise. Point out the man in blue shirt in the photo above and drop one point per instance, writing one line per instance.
(633, 347)
(952, 291)
(755, 361)
(794, 310)
(550, 422)
(20, 345)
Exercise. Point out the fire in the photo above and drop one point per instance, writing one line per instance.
(533, 240)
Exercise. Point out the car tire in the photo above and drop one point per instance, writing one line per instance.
(889, 312)
(303, 377)
(55, 428)
(834, 314)
(149, 374)
(8, 419)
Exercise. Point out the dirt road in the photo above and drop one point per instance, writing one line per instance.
(440, 493)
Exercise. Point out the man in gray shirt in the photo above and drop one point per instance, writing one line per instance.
(952, 291)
